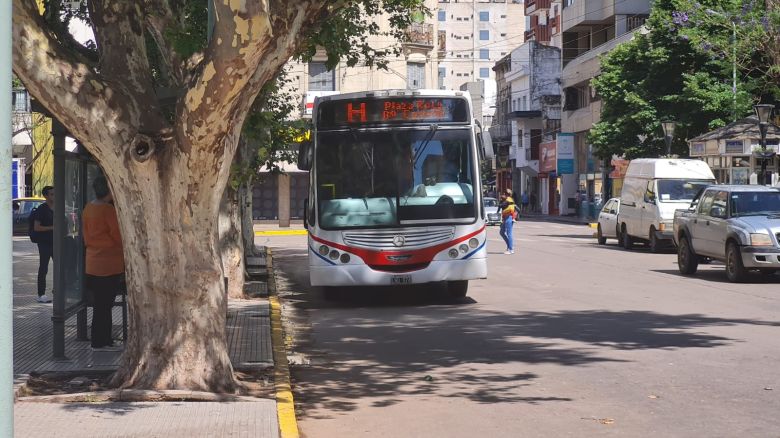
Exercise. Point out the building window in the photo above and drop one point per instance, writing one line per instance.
(442, 15)
(415, 76)
(484, 72)
(525, 103)
(442, 75)
(320, 78)
(484, 16)
(484, 35)
(21, 101)
(484, 53)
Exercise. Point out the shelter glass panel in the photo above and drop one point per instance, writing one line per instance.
(73, 248)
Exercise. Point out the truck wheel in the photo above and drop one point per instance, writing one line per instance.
(687, 260)
(626, 240)
(735, 270)
(655, 245)
(458, 288)
(600, 236)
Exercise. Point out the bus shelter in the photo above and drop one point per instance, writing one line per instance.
(74, 171)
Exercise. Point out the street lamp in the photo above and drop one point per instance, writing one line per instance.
(668, 128)
(764, 113)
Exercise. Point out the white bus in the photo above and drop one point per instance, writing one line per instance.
(395, 196)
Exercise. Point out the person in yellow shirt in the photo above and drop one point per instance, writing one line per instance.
(105, 263)
(509, 212)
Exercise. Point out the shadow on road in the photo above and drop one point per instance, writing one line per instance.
(718, 275)
(383, 352)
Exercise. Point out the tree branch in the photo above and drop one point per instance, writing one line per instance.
(248, 48)
(72, 91)
(119, 33)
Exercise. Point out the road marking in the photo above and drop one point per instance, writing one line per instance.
(281, 233)
(285, 405)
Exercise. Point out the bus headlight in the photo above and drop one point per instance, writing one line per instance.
(473, 243)
(324, 250)
(453, 253)
(464, 248)
(344, 258)
(333, 255)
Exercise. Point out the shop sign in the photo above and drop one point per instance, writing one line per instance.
(619, 168)
(565, 153)
(547, 158)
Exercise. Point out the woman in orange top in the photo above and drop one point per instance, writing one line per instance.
(105, 261)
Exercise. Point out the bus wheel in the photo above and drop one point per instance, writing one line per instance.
(458, 288)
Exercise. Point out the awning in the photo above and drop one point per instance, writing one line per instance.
(528, 170)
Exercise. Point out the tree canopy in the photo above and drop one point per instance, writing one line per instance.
(680, 69)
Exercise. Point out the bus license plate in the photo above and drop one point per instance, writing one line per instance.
(401, 279)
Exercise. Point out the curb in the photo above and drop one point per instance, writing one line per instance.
(285, 405)
(281, 233)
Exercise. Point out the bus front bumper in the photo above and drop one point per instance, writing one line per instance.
(362, 275)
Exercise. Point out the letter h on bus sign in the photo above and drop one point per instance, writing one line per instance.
(351, 112)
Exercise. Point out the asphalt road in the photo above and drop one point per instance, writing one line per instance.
(565, 338)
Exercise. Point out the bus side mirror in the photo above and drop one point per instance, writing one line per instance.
(306, 213)
(487, 145)
(305, 153)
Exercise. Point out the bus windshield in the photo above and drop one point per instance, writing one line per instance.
(376, 178)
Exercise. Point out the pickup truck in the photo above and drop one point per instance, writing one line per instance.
(738, 225)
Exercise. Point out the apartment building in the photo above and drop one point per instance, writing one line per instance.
(473, 35)
(280, 197)
(589, 29)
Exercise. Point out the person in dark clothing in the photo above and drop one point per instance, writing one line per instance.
(43, 227)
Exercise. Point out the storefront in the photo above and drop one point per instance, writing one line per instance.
(732, 151)
(549, 183)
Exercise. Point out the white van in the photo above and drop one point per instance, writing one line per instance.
(652, 190)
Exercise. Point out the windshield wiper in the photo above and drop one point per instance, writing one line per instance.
(426, 140)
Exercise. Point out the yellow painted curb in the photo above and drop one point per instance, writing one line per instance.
(282, 233)
(593, 224)
(285, 405)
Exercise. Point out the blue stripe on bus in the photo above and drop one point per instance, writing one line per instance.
(320, 256)
(476, 250)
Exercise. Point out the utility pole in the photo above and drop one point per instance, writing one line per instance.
(6, 245)
(734, 69)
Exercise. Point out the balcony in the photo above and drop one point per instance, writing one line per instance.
(538, 32)
(535, 5)
(501, 132)
(419, 35)
(555, 25)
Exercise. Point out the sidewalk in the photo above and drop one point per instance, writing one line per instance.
(249, 342)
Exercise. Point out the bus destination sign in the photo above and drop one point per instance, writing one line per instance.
(392, 111)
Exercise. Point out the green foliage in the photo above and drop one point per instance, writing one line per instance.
(673, 72)
(343, 35)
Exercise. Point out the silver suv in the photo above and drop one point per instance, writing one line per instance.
(739, 225)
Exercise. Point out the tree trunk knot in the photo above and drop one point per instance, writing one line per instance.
(142, 147)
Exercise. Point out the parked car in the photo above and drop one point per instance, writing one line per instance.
(22, 207)
(652, 190)
(608, 226)
(492, 216)
(739, 225)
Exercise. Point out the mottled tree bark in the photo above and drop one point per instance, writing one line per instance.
(231, 242)
(167, 177)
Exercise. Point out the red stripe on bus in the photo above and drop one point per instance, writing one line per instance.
(423, 255)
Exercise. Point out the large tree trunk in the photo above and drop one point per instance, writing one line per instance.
(177, 301)
(245, 194)
(231, 243)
